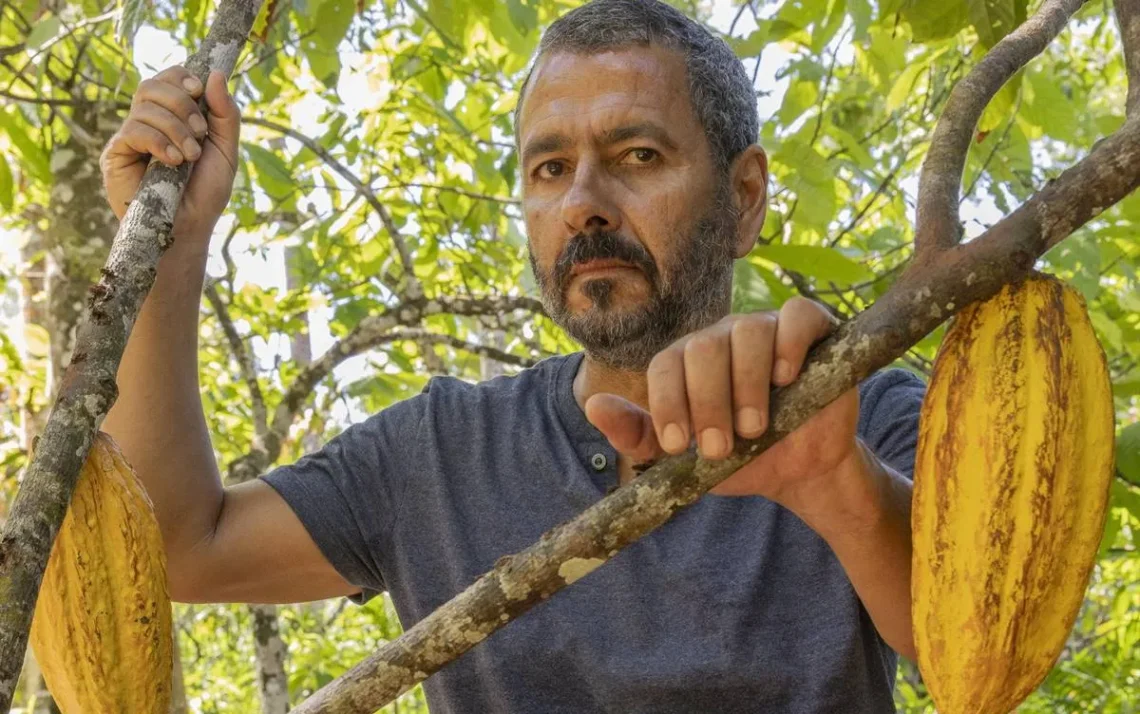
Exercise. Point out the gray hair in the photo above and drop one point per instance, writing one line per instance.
(721, 93)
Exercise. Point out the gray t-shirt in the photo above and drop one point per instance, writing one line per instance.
(733, 606)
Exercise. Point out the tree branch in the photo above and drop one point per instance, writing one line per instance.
(368, 333)
(413, 287)
(1128, 14)
(488, 351)
(242, 357)
(87, 389)
(937, 221)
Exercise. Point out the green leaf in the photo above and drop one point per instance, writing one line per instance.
(35, 158)
(993, 19)
(524, 17)
(935, 19)
(1044, 105)
(752, 45)
(43, 32)
(798, 98)
(6, 185)
(272, 172)
(820, 262)
(332, 22)
(903, 87)
(1128, 453)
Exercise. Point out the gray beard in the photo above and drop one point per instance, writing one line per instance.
(693, 292)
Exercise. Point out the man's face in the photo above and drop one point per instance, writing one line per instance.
(631, 229)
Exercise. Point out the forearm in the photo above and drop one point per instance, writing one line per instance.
(866, 521)
(157, 419)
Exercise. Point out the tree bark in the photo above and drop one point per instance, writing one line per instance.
(178, 703)
(273, 684)
(87, 389)
(33, 298)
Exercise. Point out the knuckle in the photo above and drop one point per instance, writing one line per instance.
(702, 345)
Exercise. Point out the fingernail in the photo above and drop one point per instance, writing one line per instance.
(173, 154)
(191, 84)
(197, 124)
(749, 421)
(673, 438)
(190, 148)
(783, 371)
(713, 444)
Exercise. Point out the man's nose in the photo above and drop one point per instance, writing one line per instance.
(588, 205)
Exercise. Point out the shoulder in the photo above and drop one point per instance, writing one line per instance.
(892, 383)
(450, 402)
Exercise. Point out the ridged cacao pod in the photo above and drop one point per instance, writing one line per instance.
(102, 627)
(1012, 476)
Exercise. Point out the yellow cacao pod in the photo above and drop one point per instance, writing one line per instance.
(1012, 474)
(102, 627)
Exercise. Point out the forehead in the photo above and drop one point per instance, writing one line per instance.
(572, 93)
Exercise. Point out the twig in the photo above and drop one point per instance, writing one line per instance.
(937, 222)
(993, 151)
(242, 356)
(413, 287)
(1128, 14)
(368, 333)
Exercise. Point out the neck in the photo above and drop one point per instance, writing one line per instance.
(594, 378)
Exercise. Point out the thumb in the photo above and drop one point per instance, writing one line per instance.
(224, 116)
(628, 427)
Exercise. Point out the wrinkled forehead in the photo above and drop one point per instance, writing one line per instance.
(585, 95)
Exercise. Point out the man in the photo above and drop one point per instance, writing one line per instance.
(787, 591)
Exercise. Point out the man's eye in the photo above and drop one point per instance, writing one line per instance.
(551, 169)
(642, 156)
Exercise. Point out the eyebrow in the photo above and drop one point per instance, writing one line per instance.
(546, 144)
(551, 143)
(647, 130)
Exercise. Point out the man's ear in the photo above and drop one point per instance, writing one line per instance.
(749, 176)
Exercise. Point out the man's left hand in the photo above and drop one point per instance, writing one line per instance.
(715, 383)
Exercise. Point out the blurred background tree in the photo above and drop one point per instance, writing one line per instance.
(377, 140)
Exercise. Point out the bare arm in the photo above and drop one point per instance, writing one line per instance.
(242, 544)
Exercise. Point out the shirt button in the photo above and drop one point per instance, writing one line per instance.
(598, 461)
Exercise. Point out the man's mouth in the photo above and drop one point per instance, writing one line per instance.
(598, 266)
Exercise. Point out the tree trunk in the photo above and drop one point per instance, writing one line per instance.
(178, 703)
(270, 648)
(81, 227)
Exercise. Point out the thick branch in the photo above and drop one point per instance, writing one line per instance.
(413, 288)
(87, 388)
(926, 295)
(1128, 13)
(937, 222)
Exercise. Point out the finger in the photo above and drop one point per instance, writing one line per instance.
(172, 127)
(668, 405)
(708, 384)
(179, 76)
(136, 141)
(625, 425)
(753, 342)
(224, 117)
(175, 100)
(801, 324)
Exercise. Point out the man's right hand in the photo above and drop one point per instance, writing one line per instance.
(165, 122)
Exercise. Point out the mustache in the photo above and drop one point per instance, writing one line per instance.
(602, 245)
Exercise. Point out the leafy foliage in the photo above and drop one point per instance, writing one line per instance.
(413, 97)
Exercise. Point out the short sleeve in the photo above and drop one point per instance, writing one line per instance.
(889, 406)
(346, 493)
